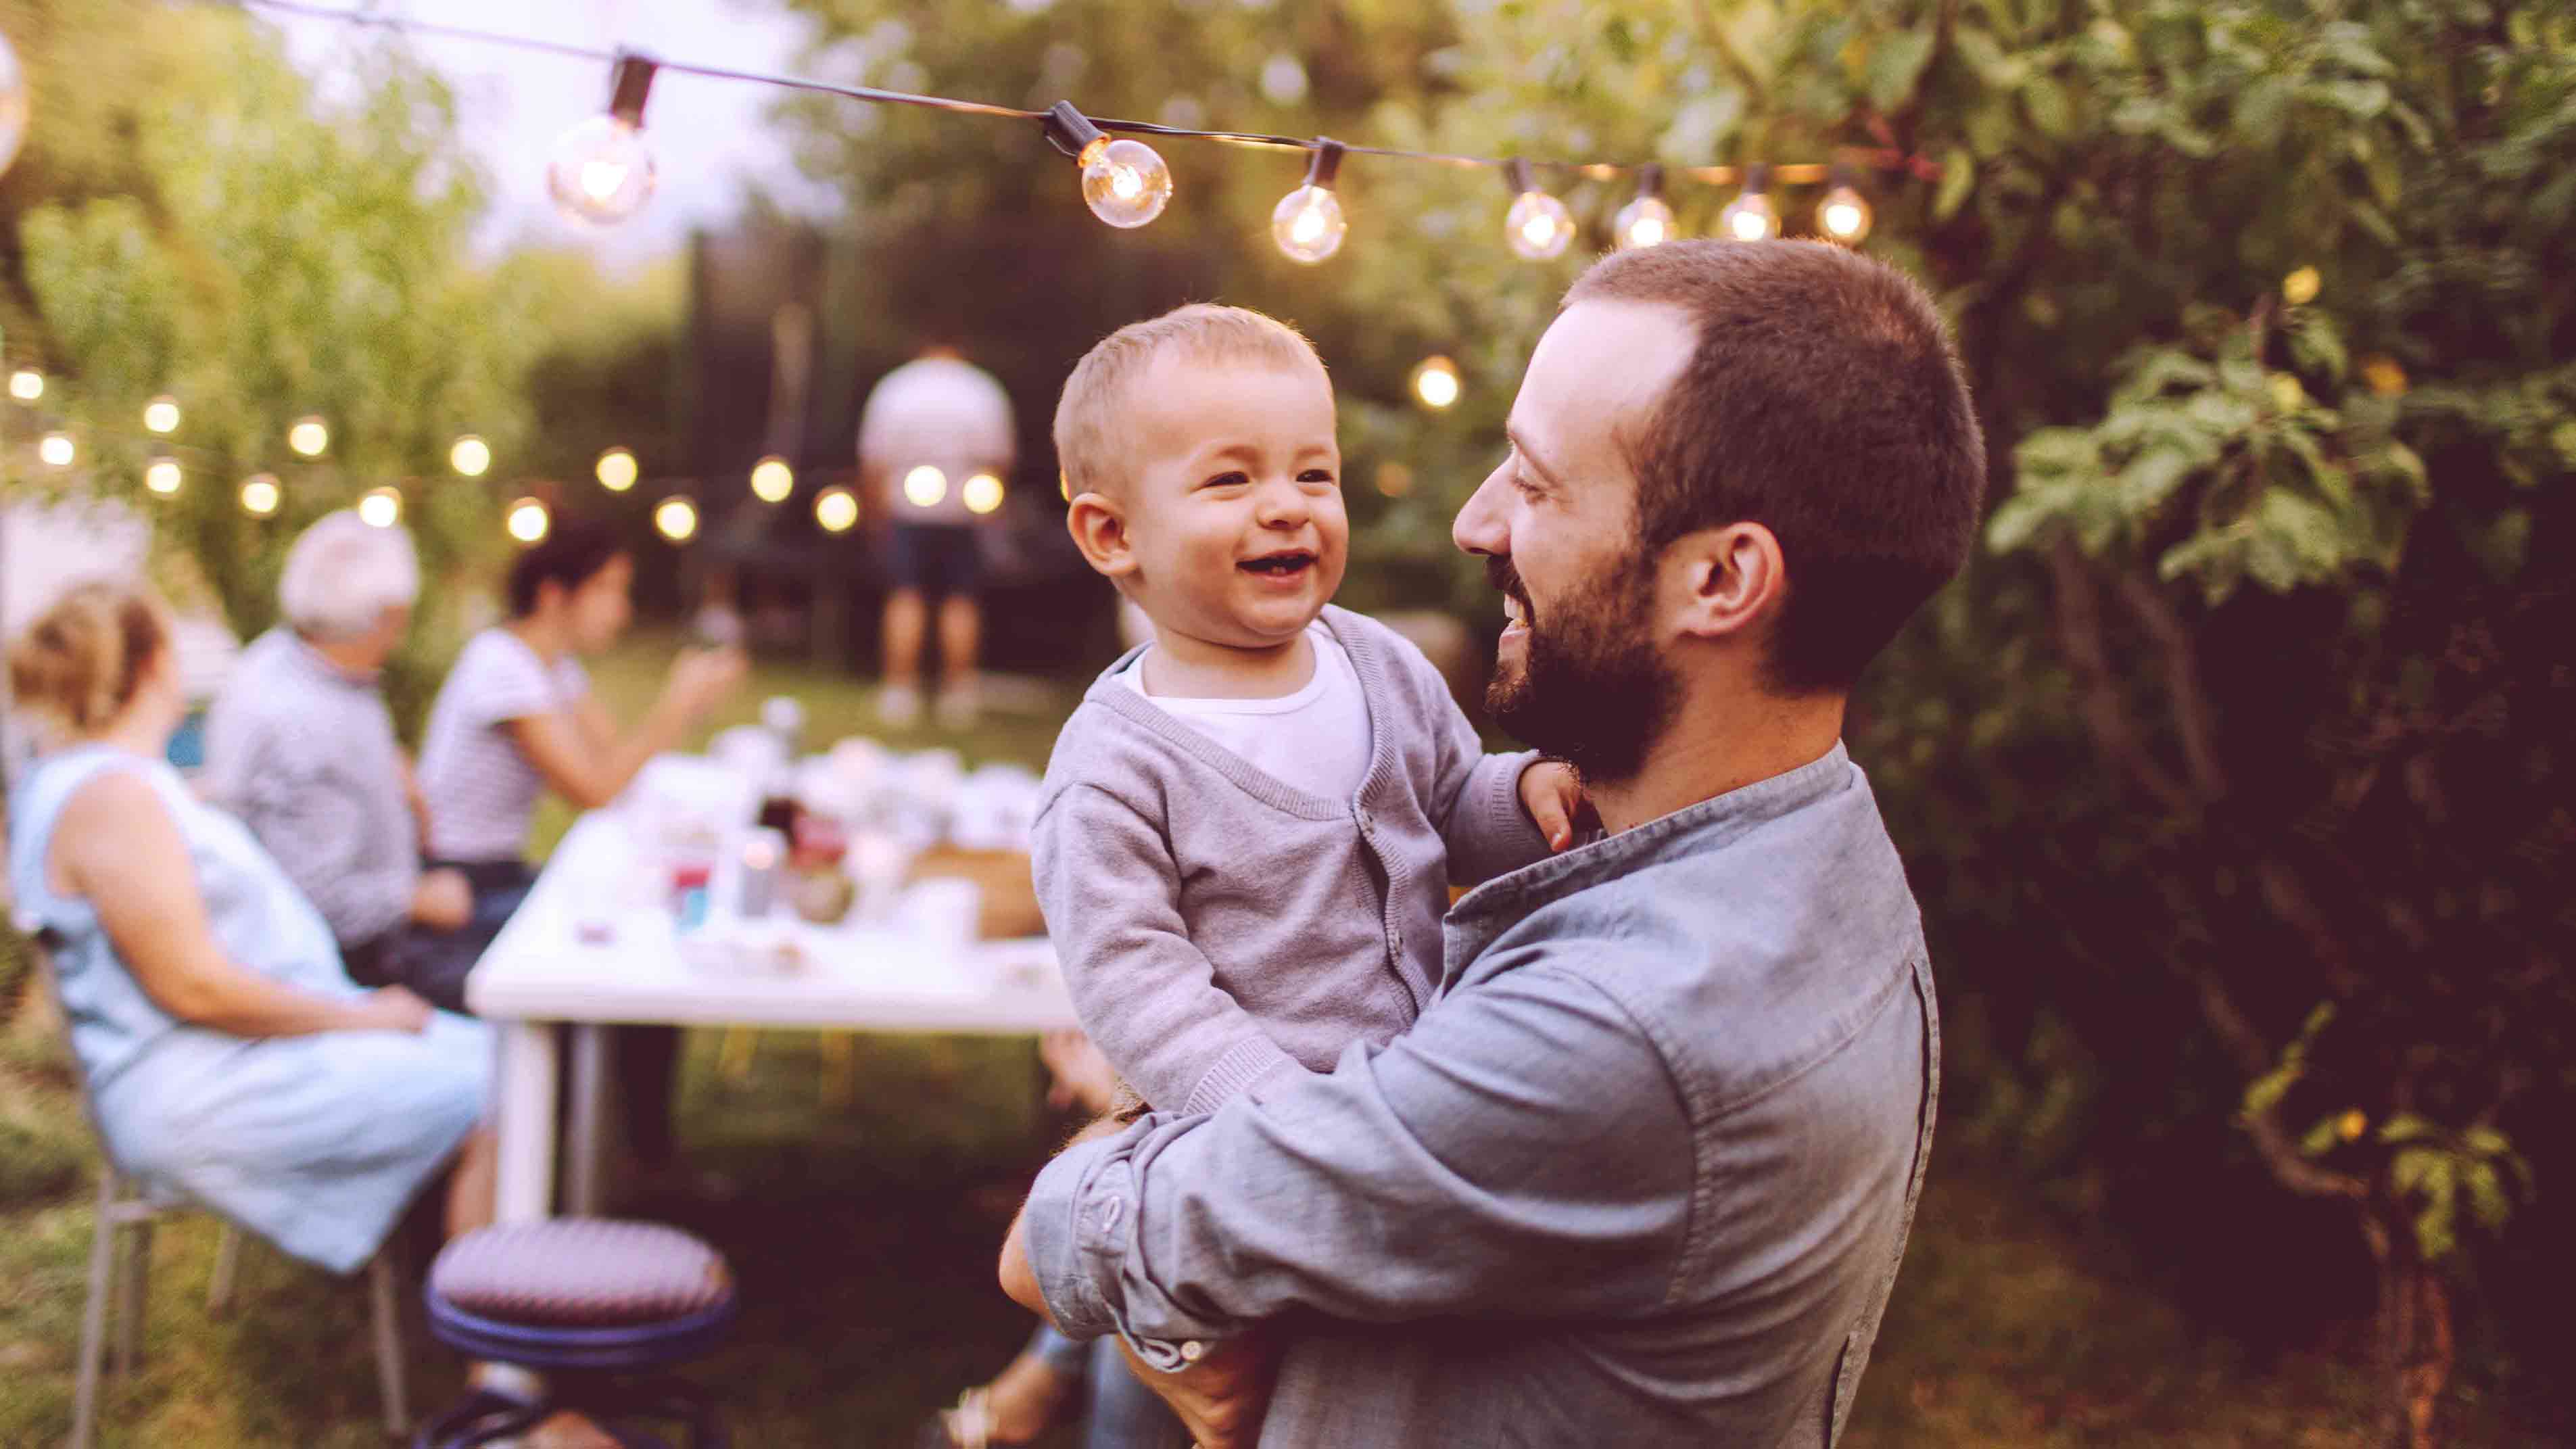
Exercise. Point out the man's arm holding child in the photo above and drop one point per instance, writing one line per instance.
(1111, 896)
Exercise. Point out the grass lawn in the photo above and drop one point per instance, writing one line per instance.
(864, 1237)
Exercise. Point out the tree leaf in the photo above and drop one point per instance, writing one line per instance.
(1895, 63)
(1958, 174)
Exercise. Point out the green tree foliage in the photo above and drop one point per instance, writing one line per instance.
(212, 228)
(2234, 774)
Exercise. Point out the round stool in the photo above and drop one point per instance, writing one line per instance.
(600, 1307)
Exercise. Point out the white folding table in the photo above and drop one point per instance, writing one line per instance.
(591, 949)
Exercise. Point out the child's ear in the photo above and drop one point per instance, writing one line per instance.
(1099, 529)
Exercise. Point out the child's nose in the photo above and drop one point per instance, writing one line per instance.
(1283, 505)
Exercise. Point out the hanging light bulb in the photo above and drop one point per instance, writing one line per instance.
(308, 437)
(601, 170)
(982, 493)
(675, 518)
(1308, 222)
(470, 456)
(56, 449)
(260, 495)
(161, 415)
(1751, 216)
(836, 509)
(381, 507)
(14, 108)
(772, 480)
(162, 476)
(1123, 182)
(26, 384)
(1647, 221)
(1538, 226)
(1844, 214)
(925, 486)
(527, 520)
(616, 470)
(1435, 382)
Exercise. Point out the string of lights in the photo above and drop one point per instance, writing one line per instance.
(602, 171)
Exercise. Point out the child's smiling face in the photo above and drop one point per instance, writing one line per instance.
(1233, 503)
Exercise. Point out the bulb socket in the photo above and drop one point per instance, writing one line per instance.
(1757, 178)
(1069, 130)
(1518, 178)
(628, 85)
(1842, 174)
(1326, 164)
(1650, 180)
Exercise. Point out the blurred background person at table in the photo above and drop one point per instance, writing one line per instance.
(516, 717)
(227, 1056)
(931, 428)
(301, 746)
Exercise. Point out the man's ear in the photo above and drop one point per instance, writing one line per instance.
(1099, 529)
(1732, 581)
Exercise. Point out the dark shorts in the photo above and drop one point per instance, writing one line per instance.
(934, 559)
(434, 964)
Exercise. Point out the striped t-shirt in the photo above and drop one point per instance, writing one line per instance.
(481, 790)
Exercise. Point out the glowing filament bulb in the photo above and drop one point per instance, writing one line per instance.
(772, 480)
(1123, 182)
(676, 519)
(616, 470)
(1844, 214)
(527, 520)
(1435, 382)
(56, 449)
(1645, 221)
(1751, 216)
(470, 456)
(259, 495)
(601, 170)
(381, 507)
(1538, 226)
(925, 486)
(982, 493)
(26, 384)
(162, 476)
(836, 509)
(161, 415)
(1308, 223)
(308, 437)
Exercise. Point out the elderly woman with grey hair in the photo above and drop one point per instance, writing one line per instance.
(301, 746)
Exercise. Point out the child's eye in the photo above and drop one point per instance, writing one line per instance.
(1228, 480)
(1316, 475)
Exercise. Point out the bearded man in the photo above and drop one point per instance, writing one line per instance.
(1642, 1172)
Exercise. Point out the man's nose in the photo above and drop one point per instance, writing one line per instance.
(1479, 527)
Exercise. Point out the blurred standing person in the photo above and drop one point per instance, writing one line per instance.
(301, 747)
(516, 717)
(930, 428)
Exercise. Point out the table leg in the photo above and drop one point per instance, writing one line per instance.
(588, 1112)
(525, 1189)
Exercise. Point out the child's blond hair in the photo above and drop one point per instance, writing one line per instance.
(1089, 445)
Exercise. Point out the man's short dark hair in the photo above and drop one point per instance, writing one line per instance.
(571, 553)
(1824, 401)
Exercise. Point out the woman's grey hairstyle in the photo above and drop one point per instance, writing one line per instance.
(343, 574)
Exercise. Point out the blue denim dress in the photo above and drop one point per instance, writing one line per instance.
(316, 1143)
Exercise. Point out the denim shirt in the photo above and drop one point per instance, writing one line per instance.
(1640, 1175)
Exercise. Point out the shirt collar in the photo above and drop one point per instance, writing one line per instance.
(1492, 907)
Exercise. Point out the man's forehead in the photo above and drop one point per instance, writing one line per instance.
(1601, 365)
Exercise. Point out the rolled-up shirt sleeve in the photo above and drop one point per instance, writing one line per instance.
(1522, 1153)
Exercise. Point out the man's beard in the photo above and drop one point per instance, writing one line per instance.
(1590, 689)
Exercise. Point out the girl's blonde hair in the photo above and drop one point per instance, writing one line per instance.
(83, 659)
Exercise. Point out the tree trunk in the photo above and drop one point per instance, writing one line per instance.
(2414, 1346)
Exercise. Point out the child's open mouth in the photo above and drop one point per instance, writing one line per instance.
(1279, 565)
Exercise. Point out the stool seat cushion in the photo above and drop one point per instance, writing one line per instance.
(581, 1272)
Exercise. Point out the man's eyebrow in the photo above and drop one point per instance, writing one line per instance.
(1530, 456)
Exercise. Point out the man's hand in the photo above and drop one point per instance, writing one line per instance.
(442, 900)
(1221, 1398)
(390, 1008)
(1553, 797)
